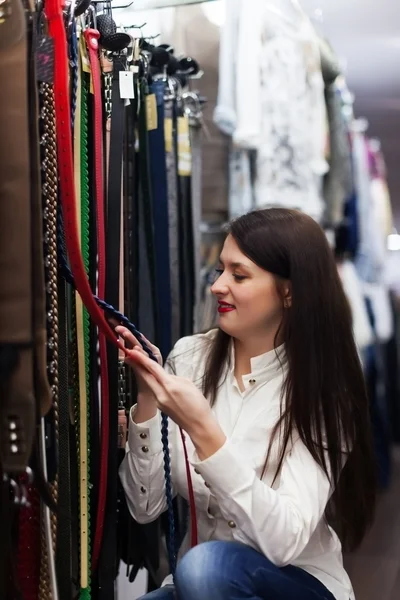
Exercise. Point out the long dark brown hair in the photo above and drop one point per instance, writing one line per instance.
(324, 397)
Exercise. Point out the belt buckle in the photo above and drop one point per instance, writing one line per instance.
(5, 10)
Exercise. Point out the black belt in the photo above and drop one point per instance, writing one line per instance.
(64, 550)
(146, 205)
(108, 565)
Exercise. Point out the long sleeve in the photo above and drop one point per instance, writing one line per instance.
(142, 470)
(279, 523)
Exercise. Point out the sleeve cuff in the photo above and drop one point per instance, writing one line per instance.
(145, 438)
(224, 471)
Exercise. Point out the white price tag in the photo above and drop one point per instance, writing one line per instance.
(126, 86)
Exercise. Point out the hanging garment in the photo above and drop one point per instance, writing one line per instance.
(378, 297)
(195, 35)
(371, 248)
(353, 288)
(225, 113)
(338, 182)
(281, 106)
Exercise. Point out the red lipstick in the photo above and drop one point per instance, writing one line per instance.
(224, 307)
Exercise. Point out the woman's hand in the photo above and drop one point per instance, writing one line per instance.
(132, 342)
(176, 396)
(180, 399)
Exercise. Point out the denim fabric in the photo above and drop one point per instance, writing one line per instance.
(232, 571)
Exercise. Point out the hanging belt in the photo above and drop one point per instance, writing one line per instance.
(56, 29)
(92, 37)
(84, 217)
(83, 439)
(109, 556)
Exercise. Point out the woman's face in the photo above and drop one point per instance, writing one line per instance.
(248, 300)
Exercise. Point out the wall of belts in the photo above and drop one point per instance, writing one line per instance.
(100, 199)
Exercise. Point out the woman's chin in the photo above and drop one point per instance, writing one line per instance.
(224, 326)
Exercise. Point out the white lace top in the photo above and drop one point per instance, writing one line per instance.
(280, 105)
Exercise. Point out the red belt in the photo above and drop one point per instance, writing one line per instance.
(92, 37)
(53, 9)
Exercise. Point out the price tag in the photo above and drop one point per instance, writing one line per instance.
(184, 148)
(151, 112)
(168, 132)
(126, 85)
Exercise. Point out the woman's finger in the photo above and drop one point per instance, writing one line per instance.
(153, 367)
(153, 348)
(128, 337)
(149, 379)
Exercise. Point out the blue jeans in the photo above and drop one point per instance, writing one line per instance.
(232, 571)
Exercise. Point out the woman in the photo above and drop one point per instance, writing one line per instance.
(275, 409)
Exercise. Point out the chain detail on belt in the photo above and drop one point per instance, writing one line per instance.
(108, 78)
(49, 197)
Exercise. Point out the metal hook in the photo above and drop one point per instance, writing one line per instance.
(91, 12)
(152, 37)
(190, 100)
(121, 6)
(135, 26)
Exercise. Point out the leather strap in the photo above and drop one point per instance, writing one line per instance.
(83, 405)
(64, 548)
(85, 236)
(92, 37)
(108, 565)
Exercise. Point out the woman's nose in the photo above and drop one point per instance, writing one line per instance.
(220, 285)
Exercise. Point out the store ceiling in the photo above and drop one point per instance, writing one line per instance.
(366, 36)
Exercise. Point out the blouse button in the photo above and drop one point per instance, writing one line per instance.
(252, 381)
(197, 472)
(145, 449)
(143, 490)
(207, 484)
(143, 436)
(232, 524)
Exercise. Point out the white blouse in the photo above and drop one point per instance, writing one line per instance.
(283, 520)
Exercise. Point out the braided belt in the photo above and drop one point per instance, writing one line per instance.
(50, 198)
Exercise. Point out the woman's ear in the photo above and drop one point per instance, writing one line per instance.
(287, 298)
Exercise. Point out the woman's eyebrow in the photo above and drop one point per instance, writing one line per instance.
(234, 264)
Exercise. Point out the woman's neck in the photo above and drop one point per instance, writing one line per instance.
(245, 350)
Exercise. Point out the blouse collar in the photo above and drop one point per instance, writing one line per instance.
(268, 363)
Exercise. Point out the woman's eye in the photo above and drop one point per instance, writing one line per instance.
(237, 278)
